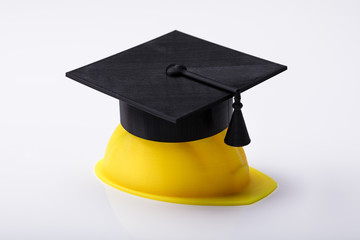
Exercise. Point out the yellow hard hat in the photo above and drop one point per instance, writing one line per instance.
(202, 172)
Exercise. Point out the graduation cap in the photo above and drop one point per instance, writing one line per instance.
(179, 88)
(174, 90)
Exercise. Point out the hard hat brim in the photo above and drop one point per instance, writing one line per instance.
(258, 187)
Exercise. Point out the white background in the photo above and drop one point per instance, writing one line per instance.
(304, 123)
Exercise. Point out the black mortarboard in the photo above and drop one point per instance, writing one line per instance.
(179, 88)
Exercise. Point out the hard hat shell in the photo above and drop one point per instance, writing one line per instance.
(201, 172)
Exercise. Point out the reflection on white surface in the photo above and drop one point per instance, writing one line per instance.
(150, 219)
(270, 218)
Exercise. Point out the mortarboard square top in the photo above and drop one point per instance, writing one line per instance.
(138, 76)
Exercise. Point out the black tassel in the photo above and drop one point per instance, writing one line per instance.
(237, 134)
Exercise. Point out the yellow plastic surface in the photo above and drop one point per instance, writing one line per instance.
(202, 172)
